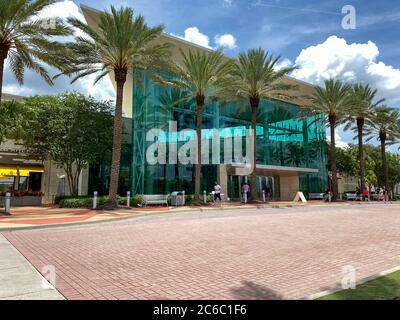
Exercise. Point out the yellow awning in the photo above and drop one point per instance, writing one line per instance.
(13, 171)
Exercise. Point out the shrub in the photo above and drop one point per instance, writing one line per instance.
(87, 201)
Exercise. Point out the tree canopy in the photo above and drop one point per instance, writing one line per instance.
(69, 129)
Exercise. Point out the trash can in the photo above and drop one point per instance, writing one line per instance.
(178, 198)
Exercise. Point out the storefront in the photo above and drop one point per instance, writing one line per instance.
(21, 178)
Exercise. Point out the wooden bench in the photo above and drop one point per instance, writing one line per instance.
(316, 196)
(154, 199)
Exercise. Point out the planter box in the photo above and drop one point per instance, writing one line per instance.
(26, 201)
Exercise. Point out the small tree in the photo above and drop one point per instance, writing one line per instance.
(71, 130)
(11, 119)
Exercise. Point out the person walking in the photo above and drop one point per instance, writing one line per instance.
(245, 192)
(385, 195)
(366, 194)
(267, 191)
(217, 192)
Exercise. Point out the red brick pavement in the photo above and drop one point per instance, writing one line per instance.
(244, 254)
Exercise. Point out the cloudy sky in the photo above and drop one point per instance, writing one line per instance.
(305, 32)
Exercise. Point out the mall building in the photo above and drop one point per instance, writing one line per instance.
(291, 150)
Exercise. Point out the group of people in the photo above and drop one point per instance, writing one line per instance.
(245, 192)
(382, 193)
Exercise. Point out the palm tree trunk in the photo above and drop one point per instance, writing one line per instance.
(254, 102)
(120, 79)
(385, 169)
(360, 125)
(332, 156)
(199, 124)
(3, 55)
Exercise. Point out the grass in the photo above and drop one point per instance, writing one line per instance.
(382, 288)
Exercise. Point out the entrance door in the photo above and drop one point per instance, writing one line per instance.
(35, 181)
(235, 186)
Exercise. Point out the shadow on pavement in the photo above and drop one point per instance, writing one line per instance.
(252, 291)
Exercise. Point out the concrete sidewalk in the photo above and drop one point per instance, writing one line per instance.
(19, 280)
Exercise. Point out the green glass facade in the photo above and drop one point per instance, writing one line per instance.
(282, 140)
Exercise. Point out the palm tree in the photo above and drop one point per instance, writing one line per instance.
(256, 77)
(334, 101)
(24, 39)
(384, 124)
(363, 108)
(119, 45)
(203, 75)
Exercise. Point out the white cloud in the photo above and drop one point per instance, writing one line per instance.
(339, 142)
(283, 64)
(354, 62)
(33, 85)
(63, 9)
(225, 40)
(193, 34)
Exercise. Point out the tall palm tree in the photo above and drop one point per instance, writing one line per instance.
(334, 101)
(363, 108)
(24, 39)
(255, 77)
(119, 45)
(384, 125)
(202, 75)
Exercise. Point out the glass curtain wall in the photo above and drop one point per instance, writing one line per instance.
(283, 138)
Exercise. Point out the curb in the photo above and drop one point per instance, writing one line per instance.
(364, 280)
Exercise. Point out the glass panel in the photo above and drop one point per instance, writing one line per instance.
(23, 183)
(6, 183)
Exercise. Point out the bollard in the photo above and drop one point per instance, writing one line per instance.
(128, 198)
(95, 200)
(7, 203)
(205, 196)
(329, 196)
(264, 195)
(245, 197)
(340, 196)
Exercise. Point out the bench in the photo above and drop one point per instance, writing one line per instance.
(316, 196)
(154, 199)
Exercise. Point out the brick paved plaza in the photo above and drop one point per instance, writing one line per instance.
(285, 253)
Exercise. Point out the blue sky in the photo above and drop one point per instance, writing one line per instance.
(281, 26)
(307, 33)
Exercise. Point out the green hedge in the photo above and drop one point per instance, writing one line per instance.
(87, 201)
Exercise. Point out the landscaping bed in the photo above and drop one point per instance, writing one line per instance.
(382, 288)
(87, 201)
